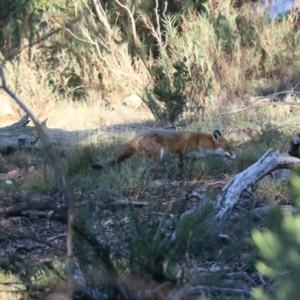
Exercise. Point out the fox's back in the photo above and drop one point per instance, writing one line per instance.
(175, 140)
(187, 140)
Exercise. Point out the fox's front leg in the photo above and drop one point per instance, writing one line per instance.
(158, 155)
(141, 155)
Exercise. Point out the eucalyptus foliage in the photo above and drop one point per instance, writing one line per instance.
(280, 249)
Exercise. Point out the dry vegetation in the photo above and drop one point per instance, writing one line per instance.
(229, 57)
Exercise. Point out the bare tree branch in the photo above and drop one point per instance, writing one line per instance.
(131, 16)
(114, 46)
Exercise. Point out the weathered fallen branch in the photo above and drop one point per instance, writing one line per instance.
(232, 191)
(261, 105)
(136, 203)
(196, 290)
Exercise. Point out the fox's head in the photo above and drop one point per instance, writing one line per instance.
(222, 147)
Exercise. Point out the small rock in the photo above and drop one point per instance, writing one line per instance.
(133, 101)
(158, 182)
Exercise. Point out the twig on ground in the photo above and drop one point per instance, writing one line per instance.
(132, 202)
(56, 237)
(35, 239)
(261, 279)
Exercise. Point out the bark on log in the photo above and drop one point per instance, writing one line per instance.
(232, 191)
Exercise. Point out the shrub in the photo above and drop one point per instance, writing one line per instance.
(167, 99)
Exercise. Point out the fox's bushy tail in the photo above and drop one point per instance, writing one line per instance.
(122, 153)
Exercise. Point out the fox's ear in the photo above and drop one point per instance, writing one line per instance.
(217, 135)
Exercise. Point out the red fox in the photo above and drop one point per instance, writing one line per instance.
(154, 143)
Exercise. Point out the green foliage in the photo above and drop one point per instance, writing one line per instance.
(280, 249)
(247, 28)
(49, 275)
(223, 28)
(167, 99)
(21, 19)
(155, 12)
(146, 243)
(25, 23)
(12, 12)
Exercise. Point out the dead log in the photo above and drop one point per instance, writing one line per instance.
(267, 164)
(20, 136)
